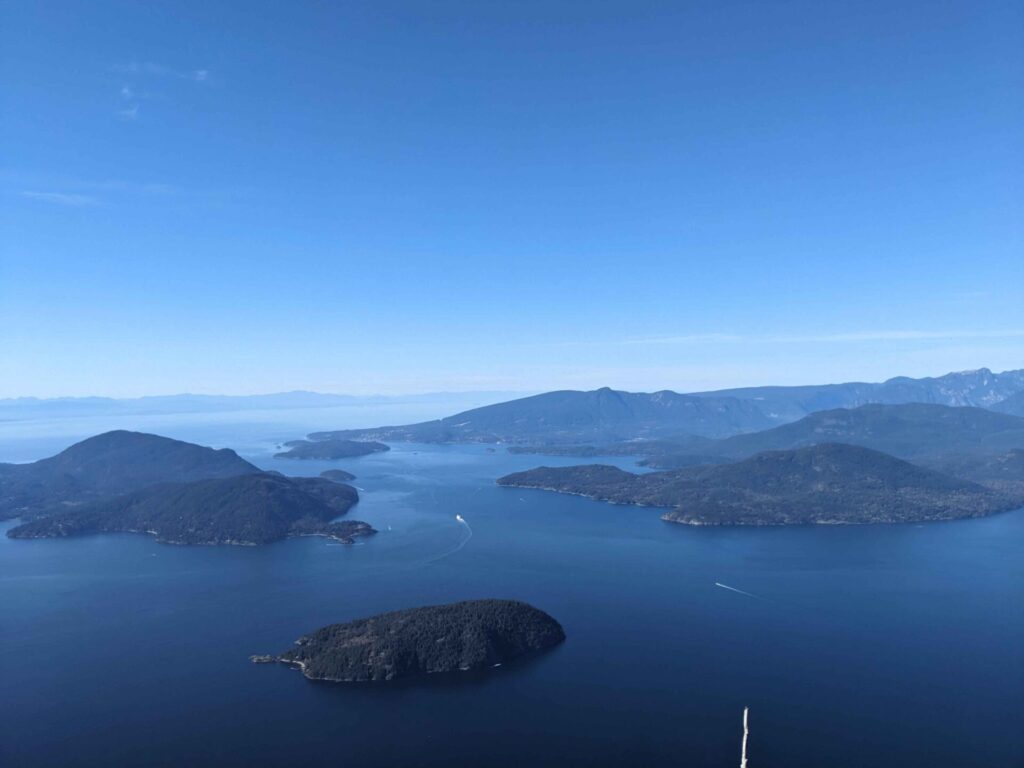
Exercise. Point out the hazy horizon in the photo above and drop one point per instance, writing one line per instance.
(508, 394)
(856, 357)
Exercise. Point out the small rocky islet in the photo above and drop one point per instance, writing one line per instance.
(337, 475)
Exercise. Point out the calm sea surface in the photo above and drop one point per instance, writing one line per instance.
(861, 646)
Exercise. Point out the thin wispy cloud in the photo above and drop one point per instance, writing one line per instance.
(159, 70)
(143, 70)
(84, 192)
(689, 338)
(61, 198)
(901, 336)
(816, 338)
(129, 187)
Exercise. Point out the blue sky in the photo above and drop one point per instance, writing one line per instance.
(389, 197)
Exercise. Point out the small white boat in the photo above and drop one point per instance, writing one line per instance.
(459, 518)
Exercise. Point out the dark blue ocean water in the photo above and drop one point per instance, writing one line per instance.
(861, 646)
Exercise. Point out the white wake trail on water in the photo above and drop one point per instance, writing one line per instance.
(465, 540)
(733, 589)
(469, 533)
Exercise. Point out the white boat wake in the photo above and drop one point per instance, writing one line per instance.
(469, 535)
(733, 589)
(465, 540)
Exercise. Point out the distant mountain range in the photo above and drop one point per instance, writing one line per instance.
(829, 483)
(981, 388)
(607, 416)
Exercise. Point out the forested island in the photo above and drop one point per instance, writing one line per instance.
(248, 510)
(441, 638)
(330, 449)
(830, 483)
(337, 475)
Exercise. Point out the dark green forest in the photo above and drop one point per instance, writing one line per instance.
(248, 509)
(441, 638)
(830, 483)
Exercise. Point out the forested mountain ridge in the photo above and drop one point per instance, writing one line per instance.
(607, 416)
(907, 431)
(106, 465)
(1013, 405)
(1003, 472)
(567, 416)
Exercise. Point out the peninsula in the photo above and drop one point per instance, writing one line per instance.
(830, 483)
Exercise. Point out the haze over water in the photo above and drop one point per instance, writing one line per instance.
(856, 646)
